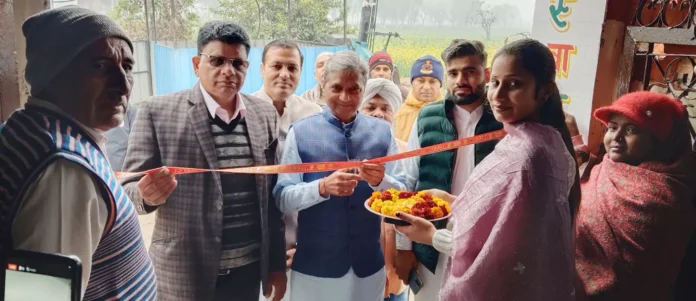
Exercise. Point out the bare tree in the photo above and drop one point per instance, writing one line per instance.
(486, 18)
(412, 17)
(423, 16)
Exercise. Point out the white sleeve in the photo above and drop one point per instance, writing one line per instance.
(442, 241)
(291, 193)
(411, 165)
(410, 177)
(63, 212)
(402, 242)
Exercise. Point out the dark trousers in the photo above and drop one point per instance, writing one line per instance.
(241, 284)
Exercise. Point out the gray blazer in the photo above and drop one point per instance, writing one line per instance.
(174, 130)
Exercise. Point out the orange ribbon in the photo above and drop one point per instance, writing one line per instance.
(327, 166)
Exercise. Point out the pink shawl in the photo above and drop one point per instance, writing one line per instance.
(512, 235)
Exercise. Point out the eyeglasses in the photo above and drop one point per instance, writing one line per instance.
(217, 61)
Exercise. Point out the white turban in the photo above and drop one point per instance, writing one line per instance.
(385, 89)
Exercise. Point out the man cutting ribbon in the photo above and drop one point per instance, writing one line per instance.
(338, 253)
(217, 236)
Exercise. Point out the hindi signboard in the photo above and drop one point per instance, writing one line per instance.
(572, 29)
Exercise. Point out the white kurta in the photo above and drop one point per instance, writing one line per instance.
(350, 287)
(464, 165)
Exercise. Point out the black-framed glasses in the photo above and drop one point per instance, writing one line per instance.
(218, 61)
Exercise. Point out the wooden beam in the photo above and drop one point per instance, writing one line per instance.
(676, 36)
(9, 79)
(23, 9)
(606, 82)
(626, 64)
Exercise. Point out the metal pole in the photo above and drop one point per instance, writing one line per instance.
(154, 22)
(150, 50)
(147, 20)
(372, 25)
(373, 22)
(374, 15)
(365, 18)
(289, 16)
(345, 16)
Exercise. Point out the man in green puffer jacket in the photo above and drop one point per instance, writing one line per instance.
(463, 113)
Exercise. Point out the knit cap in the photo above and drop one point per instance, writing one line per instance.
(427, 66)
(56, 36)
(381, 58)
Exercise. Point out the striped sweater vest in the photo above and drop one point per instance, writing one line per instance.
(34, 138)
(241, 220)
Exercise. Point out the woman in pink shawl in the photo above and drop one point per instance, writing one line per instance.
(511, 236)
(637, 213)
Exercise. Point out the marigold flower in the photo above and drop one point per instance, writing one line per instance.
(436, 212)
(421, 204)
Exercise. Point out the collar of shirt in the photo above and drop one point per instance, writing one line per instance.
(464, 118)
(262, 94)
(329, 115)
(215, 109)
(95, 134)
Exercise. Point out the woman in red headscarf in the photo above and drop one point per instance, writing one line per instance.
(637, 211)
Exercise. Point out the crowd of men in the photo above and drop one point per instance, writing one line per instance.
(217, 236)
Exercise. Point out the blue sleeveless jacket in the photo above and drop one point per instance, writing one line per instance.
(339, 233)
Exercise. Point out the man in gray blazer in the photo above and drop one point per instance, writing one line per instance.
(217, 235)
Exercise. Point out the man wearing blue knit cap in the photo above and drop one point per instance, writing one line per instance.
(58, 193)
(426, 81)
